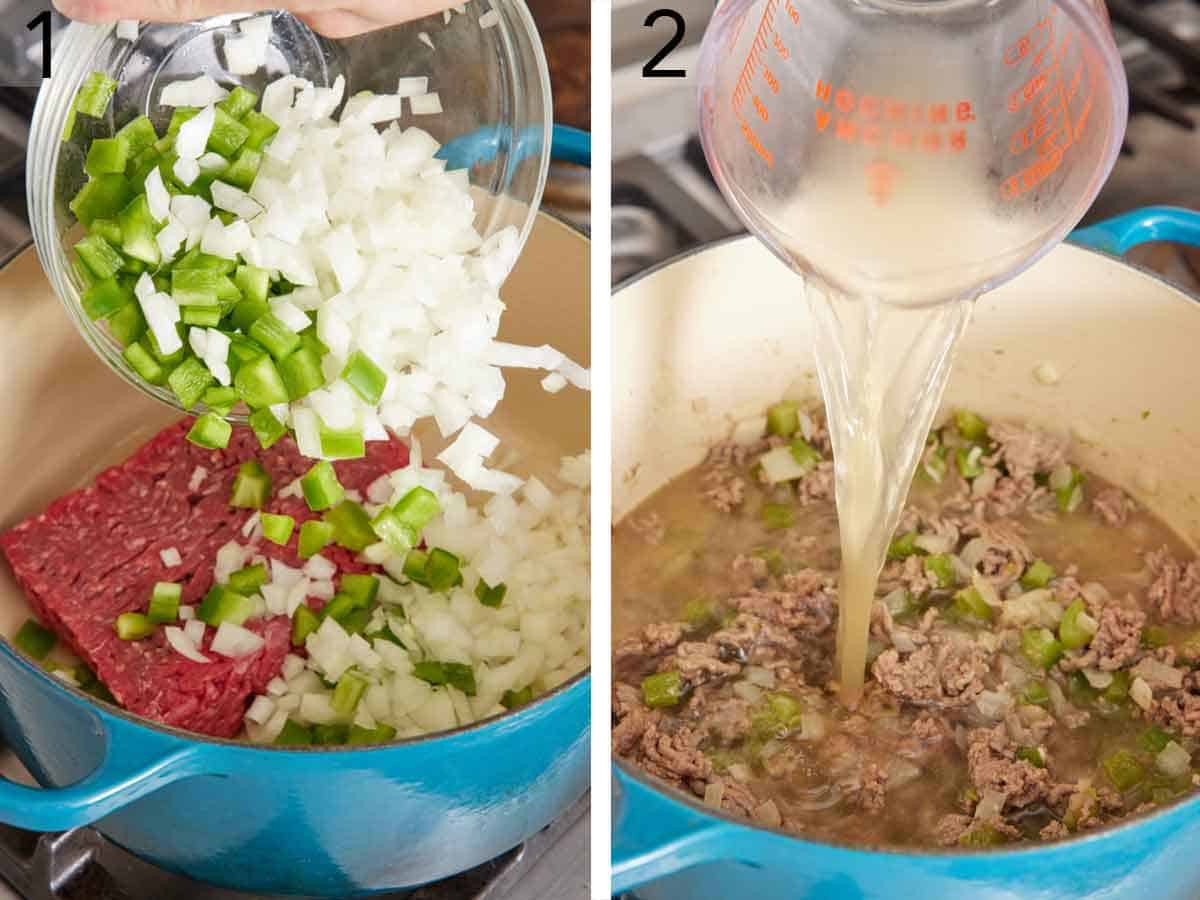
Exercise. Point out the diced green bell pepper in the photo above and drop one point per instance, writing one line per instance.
(1040, 647)
(106, 156)
(322, 490)
(663, 689)
(189, 381)
(101, 198)
(258, 383)
(212, 432)
(251, 487)
(267, 428)
(783, 419)
(351, 526)
(1038, 575)
(1123, 769)
(1072, 630)
(222, 604)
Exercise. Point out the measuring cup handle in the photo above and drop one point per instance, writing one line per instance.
(1152, 223)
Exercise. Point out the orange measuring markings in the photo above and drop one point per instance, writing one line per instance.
(1044, 100)
(881, 180)
(874, 119)
(767, 40)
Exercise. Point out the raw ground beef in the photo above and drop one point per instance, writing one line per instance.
(94, 554)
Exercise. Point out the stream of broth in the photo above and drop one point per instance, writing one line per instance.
(890, 287)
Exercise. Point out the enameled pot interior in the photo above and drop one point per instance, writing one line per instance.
(66, 416)
(709, 340)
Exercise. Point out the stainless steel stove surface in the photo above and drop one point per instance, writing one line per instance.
(84, 865)
(665, 201)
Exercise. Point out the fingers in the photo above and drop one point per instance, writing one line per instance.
(338, 23)
(369, 15)
(353, 18)
(97, 11)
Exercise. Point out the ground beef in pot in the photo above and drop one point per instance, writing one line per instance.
(975, 727)
(95, 554)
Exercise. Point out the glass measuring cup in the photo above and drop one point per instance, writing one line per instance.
(907, 150)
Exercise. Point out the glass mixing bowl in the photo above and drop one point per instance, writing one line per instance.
(493, 83)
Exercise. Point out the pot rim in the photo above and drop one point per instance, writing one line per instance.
(104, 709)
(685, 255)
(1104, 832)
(669, 793)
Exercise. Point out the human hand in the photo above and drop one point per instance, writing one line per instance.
(332, 18)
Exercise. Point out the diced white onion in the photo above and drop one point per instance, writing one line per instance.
(170, 556)
(426, 104)
(318, 567)
(157, 197)
(127, 29)
(1174, 760)
(779, 465)
(200, 91)
(990, 805)
(289, 314)
(260, 710)
(413, 86)
(186, 170)
(235, 641)
(230, 557)
(714, 792)
(1141, 694)
(257, 30)
(183, 645)
(937, 543)
(240, 55)
(1047, 373)
(293, 665)
(812, 726)
(553, 383)
(234, 200)
(252, 525)
(193, 136)
(768, 814)
(194, 629)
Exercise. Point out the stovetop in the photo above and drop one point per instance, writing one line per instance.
(82, 864)
(665, 202)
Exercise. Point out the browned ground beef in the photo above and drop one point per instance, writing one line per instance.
(960, 736)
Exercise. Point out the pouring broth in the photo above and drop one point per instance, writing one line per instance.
(1032, 644)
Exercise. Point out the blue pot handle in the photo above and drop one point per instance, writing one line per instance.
(1152, 223)
(572, 145)
(483, 144)
(655, 836)
(133, 767)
